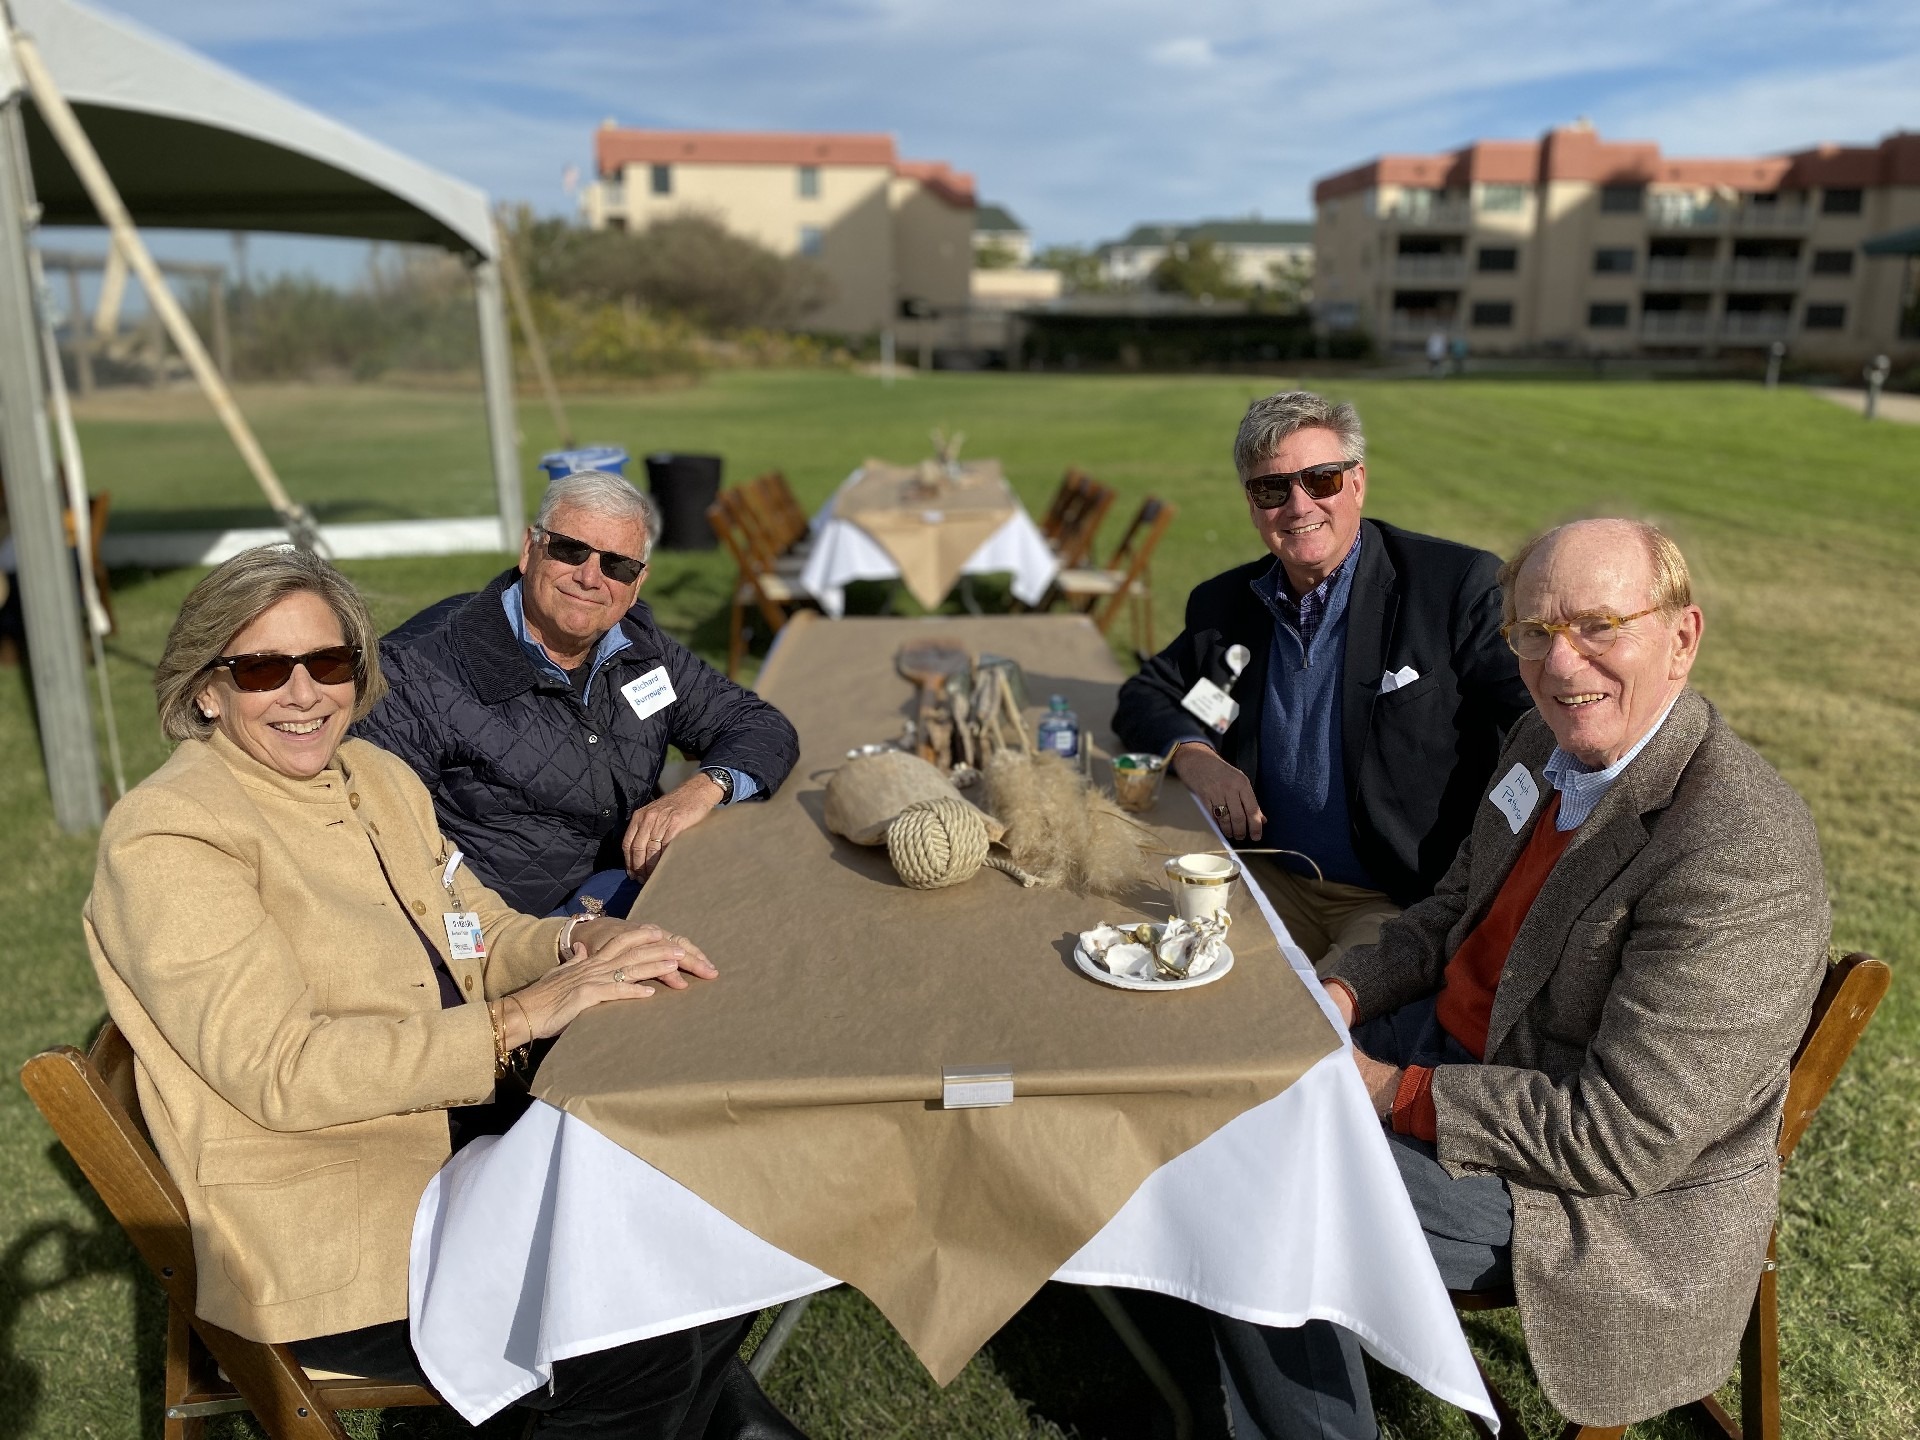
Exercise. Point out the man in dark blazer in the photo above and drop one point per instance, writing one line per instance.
(1581, 1042)
(1375, 694)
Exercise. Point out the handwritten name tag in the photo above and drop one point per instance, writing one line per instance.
(1515, 796)
(650, 693)
(1211, 706)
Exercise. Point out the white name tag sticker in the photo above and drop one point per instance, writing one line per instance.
(1211, 706)
(1515, 796)
(464, 940)
(651, 693)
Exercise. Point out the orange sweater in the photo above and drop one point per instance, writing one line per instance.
(1473, 974)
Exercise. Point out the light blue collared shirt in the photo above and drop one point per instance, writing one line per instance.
(1580, 786)
(611, 644)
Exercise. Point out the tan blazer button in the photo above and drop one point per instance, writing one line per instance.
(469, 983)
(353, 799)
(418, 908)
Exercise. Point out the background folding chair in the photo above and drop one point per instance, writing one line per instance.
(1848, 997)
(760, 583)
(90, 1102)
(1124, 581)
(1072, 481)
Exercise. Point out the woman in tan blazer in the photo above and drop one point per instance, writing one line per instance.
(311, 980)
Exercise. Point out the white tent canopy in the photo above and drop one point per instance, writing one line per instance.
(190, 143)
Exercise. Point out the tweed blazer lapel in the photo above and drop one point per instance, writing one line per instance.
(1600, 849)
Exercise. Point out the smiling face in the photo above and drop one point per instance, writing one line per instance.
(1310, 536)
(569, 607)
(1600, 706)
(294, 729)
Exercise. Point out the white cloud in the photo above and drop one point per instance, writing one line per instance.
(1189, 52)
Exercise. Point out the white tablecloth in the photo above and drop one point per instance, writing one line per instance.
(842, 552)
(552, 1241)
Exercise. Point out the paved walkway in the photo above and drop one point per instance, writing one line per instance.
(1900, 407)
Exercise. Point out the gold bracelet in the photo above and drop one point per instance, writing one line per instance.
(499, 1042)
(517, 1058)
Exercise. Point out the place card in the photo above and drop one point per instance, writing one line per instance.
(975, 1087)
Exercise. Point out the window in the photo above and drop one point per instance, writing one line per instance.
(1606, 317)
(811, 239)
(809, 182)
(1503, 197)
(1622, 199)
(1825, 317)
(1613, 262)
(1842, 202)
(1501, 259)
(1492, 314)
(1833, 262)
(660, 180)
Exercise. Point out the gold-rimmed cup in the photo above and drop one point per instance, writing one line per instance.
(1201, 885)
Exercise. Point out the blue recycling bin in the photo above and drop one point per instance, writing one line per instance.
(610, 458)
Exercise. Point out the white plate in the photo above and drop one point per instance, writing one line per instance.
(1105, 976)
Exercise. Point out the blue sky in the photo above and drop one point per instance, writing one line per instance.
(1082, 116)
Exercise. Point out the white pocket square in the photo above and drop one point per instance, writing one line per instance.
(1394, 679)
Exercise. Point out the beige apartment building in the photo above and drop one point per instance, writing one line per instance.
(1582, 246)
(894, 236)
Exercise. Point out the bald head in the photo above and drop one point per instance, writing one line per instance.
(1602, 689)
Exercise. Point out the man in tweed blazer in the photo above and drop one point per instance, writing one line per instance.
(1581, 1042)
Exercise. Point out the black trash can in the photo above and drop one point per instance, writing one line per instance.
(683, 487)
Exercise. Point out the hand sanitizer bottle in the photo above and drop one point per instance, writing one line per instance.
(1060, 730)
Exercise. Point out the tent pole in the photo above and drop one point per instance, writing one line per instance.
(80, 333)
(74, 144)
(48, 602)
(496, 378)
(530, 332)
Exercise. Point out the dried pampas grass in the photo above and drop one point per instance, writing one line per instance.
(1059, 828)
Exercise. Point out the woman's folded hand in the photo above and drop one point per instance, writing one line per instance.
(612, 960)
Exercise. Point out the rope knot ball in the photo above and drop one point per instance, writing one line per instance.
(936, 843)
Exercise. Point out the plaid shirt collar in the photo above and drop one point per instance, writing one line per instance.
(1306, 613)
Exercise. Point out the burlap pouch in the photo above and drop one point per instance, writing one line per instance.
(866, 793)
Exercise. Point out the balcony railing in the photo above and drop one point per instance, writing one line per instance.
(1430, 267)
(1421, 322)
(1451, 216)
(1772, 217)
(1769, 271)
(1675, 324)
(1754, 324)
(1682, 212)
(1681, 270)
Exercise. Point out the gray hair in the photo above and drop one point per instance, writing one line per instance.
(1672, 587)
(602, 494)
(237, 593)
(1270, 421)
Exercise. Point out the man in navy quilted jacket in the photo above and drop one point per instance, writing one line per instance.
(538, 712)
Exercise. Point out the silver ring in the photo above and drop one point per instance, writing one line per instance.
(620, 977)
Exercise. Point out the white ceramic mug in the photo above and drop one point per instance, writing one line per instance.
(1200, 885)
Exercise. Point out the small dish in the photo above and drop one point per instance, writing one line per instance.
(1092, 967)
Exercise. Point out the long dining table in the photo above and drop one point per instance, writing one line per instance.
(785, 1128)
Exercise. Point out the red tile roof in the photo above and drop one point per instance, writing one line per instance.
(1576, 152)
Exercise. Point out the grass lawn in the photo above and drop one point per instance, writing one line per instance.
(1800, 520)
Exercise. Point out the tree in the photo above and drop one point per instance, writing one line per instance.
(995, 255)
(1196, 268)
(1079, 269)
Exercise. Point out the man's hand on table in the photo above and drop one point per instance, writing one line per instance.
(1222, 788)
(654, 826)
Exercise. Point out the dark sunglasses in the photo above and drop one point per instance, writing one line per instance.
(621, 569)
(1269, 492)
(331, 666)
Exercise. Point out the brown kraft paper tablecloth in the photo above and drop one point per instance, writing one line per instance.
(929, 538)
(799, 1092)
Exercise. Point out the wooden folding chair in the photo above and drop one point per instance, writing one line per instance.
(90, 1102)
(1124, 581)
(786, 522)
(1848, 997)
(1079, 521)
(1071, 483)
(759, 584)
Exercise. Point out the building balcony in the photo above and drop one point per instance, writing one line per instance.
(1421, 322)
(1675, 324)
(1755, 324)
(1772, 271)
(1772, 217)
(1430, 267)
(1452, 216)
(1681, 212)
(1681, 270)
